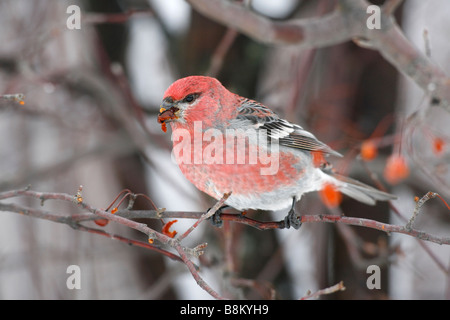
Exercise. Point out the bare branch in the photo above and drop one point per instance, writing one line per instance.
(100, 18)
(183, 252)
(74, 222)
(205, 216)
(337, 287)
(347, 22)
(419, 204)
(220, 52)
(195, 274)
(378, 226)
(267, 225)
(306, 33)
(390, 6)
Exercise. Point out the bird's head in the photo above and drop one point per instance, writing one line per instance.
(194, 98)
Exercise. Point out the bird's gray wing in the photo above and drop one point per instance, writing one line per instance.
(288, 134)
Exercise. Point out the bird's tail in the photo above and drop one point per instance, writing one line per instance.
(360, 191)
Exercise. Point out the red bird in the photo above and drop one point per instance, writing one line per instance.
(224, 143)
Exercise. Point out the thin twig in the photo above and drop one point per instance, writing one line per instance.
(73, 222)
(195, 274)
(205, 216)
(184, 252)
(264, 288)
(101, 18)
(390, 6)
(337, 287)
(419, 203)
(17, 97)
(269, 225)
(77, 200)
(221, 51)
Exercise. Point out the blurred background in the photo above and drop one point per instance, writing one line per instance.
(91, 100)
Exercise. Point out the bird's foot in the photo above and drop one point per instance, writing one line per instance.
(292, 219)
(216, 219)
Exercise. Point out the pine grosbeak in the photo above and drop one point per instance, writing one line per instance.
(223, 142)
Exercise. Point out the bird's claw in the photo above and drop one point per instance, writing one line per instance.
(216, 219)
(292, 220)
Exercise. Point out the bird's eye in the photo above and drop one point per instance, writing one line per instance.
(189, 98)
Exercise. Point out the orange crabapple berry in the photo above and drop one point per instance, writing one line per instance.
(396, 169)
(369, 150)
(330, 196)
(438, 145)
